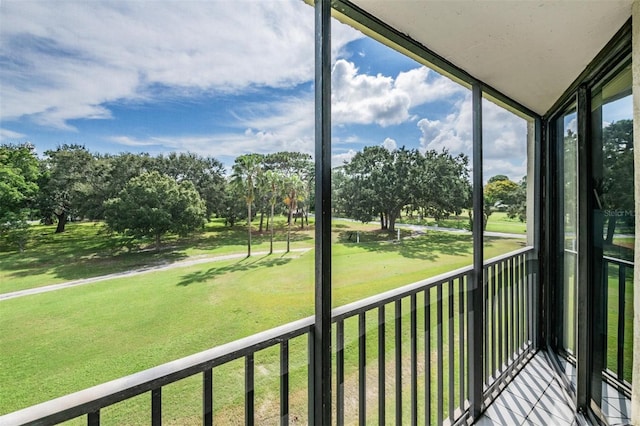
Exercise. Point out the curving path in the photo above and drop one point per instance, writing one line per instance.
(180, 264)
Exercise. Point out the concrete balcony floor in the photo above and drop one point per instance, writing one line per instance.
(536, 396)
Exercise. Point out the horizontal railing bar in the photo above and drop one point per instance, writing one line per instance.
(618, 261)
(91, 400)
(507, 256)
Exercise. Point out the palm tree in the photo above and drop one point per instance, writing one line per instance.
(272, 182)
(294, 190)
(246, 171)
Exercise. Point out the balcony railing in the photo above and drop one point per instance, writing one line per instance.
(618, 368)
(435, 385)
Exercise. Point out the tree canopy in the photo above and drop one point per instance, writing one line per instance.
(381, 182)
(151, 205)
(19, 174)
(64, 184)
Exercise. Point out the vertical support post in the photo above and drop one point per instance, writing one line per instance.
(476, 354)
(322, 327)
(537, 226)
(584, 281)
(635, 66)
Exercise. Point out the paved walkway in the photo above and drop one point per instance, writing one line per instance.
(180, 264)
(423, 228)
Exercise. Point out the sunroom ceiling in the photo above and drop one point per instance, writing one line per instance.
(530, 50)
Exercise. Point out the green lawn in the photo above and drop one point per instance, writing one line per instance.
(59, 342)
(87, 250)
(498, 222)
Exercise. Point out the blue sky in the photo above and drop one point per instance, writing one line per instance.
(222, 78)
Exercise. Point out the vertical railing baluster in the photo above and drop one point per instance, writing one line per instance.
(525, 299)
(461, 354)
(522, 300)
(414, 361)
(156, 407)
(494, 315)
(284, 383)
(207, 397)
(440, 355)
(529, 297)
(486, 319)
(605, 326)
(249, 395)
(362, 371)
(427, 356)
(508, 313)
(517, 290)
(398, 343)
(451, 345)
(498, 267)
(93, 418)
(381, 365)
(512, 307)
(621, 319)
(311, 341)
(340, 373)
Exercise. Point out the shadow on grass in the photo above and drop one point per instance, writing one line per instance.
(245, 264)
(87, 250)
(428, 246)
(83, 250)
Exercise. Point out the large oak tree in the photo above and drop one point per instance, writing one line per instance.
(152, 205)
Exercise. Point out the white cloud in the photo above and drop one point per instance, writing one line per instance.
(8, 135)
(342, 158)
(282, 125)
(67, 60)
(383, 100)
(504, 138)
(389, 144)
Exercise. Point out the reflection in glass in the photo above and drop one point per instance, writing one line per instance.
(614, 233)
(569, 227)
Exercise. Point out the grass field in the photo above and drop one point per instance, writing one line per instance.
(59, 342)
(63, 341)
(498, 222)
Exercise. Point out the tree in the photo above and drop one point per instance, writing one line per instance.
(273, 183)
(19, 173)
(246, 170)
(295, 163)
(108, 175)
(18, 177)
(64, 183)
(152, 205)
(444, 187)
(294, 189)
(497, 178)
(616, 184)
(518, 208)
(381, 182)
(499, 192)
(233, 207)
(206, 174)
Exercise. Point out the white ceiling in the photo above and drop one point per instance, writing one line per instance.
(530, 50)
